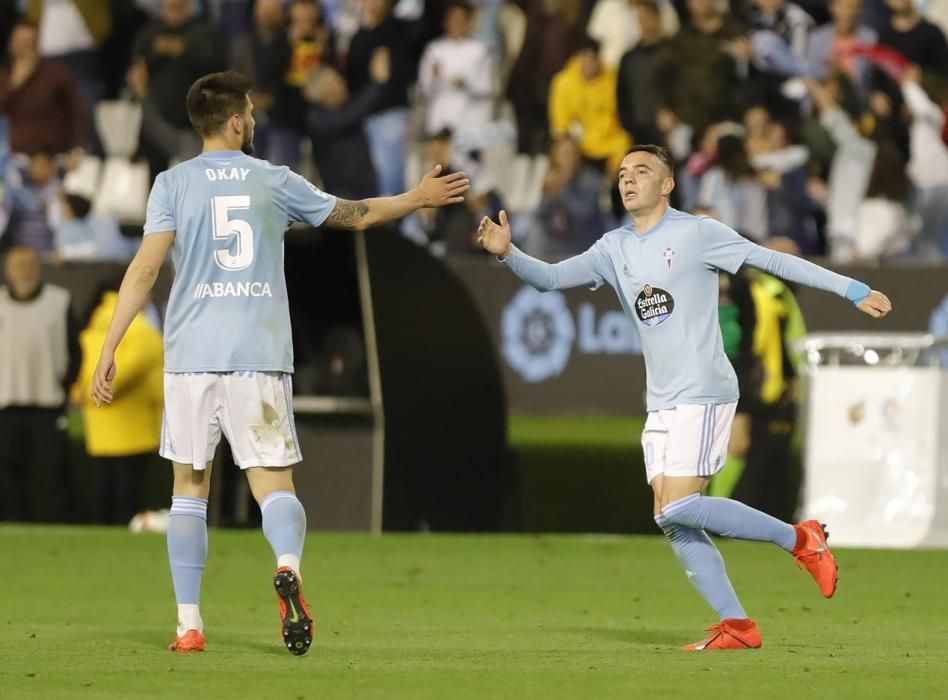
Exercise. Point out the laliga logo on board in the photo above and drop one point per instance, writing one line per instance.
(538, 332)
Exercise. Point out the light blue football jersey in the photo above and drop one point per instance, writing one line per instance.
(228, 309)
(667, 281)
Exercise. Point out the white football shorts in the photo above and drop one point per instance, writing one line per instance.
(688, 440)
(254, 411)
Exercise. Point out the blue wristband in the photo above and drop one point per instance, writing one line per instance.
(857, 291)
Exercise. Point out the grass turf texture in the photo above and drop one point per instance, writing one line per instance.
(87, 613)
(581, 474)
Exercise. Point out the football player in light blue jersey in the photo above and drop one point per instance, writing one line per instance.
(228, 350)
(664, 267)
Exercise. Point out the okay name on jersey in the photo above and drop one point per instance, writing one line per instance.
(214, 174)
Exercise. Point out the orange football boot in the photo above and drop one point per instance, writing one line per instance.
(296, 621)
(729, 634)
(814, 556)
(190, 642)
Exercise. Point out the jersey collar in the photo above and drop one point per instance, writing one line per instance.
(221, 155)
(652, 231)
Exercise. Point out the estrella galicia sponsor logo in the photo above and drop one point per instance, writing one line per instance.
(653, 305)
(537, 334)
(538, 331)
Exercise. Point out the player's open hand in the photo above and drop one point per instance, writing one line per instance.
(494, 238)
(102, 379)
(439, 191)
(876, 304)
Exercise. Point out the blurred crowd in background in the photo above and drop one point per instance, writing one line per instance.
(817, 128)
(822, 122)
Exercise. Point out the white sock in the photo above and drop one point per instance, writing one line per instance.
(292, 561)
(189, 618)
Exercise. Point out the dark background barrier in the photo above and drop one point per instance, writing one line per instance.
(578, 354)
(448, 378)
(444, 463)
(447, 463)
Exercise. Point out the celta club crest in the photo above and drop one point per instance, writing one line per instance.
(668, 255)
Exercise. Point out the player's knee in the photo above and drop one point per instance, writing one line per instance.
(191, 482)
(263, 481)
(657, 506)
(191, 488)
(656, 484)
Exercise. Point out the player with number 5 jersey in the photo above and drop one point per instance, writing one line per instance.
(228, 309)
(228, 347)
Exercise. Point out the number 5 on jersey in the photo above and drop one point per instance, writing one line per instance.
(225, 227)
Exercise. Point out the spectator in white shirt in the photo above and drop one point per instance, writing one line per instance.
(458, 76)
(928, 164)
(615, 25)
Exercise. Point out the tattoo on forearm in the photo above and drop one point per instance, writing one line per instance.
(347, 213)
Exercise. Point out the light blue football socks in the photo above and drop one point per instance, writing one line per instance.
(187, 546)
(284, 526)
(685, 523)
(704, 566)
(187, 553)
(728, 518)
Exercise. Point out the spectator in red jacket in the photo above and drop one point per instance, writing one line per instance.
(40, 98)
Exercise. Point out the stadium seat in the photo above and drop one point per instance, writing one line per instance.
(513, 26)
(534, 185)
(84, 179)
(118, 187)
(525, 177)
(119, 123)
(496, 162)
(414, 163)
(123, 191)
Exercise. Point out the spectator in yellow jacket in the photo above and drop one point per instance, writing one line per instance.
(583, 104)
(121, 437)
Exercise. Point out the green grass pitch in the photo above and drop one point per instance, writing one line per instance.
(87, 613)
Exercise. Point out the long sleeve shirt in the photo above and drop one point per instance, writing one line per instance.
(458, 79)
(667, 282)
(46, 111)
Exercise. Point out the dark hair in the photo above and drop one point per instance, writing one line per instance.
(79, 205)
(659, 152)
(587, 43)
(791, 129)
(214, 99)
(889, 179)
(935, 86)
(460, 4)
(733, 158)
(650, 5)
(445, 134)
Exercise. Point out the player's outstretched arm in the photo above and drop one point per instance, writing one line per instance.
(434, 190)
(794, 269)
(581, 270)
(136, 285)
